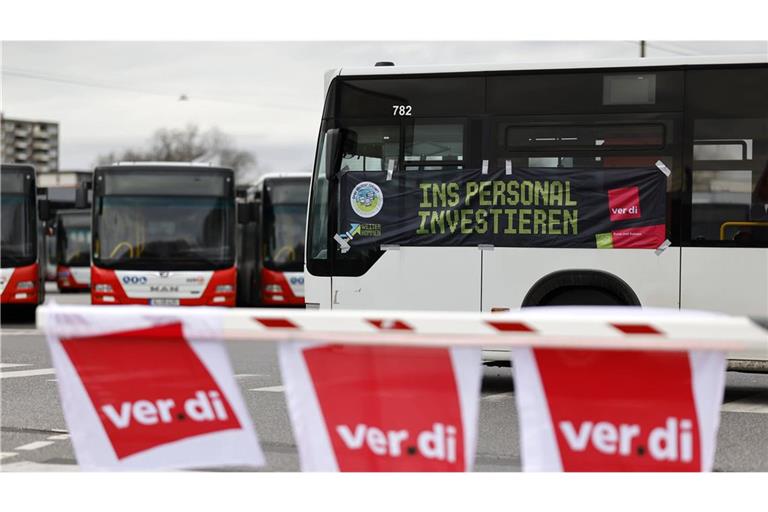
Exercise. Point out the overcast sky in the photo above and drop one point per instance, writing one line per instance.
(267, 95)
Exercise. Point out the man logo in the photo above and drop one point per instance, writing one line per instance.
(164, 289)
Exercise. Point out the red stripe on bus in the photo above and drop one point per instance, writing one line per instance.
(391, 325)
(277, 323)
(637, 329)
(510, 326)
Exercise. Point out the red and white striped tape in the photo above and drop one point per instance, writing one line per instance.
(582, 327)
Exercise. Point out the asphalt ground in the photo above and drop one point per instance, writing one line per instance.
(33, 433)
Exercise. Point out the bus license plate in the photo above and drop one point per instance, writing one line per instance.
(164, 302)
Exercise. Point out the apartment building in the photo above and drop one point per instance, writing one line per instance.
(30, 142)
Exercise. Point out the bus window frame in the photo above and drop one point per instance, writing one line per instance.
(690, 166)
(99, 175)
(30, 193)
(410, 122)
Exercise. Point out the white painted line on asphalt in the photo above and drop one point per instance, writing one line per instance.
(757, 404)
(6, 455)
(52, 380)
(38, 467)
(270, 389)
(58, 437)
(246, 375)
(34, 446)
(20, 332)
(497, 397)
(12, 365)
(26, 373)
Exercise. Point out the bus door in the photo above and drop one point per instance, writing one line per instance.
(389, 155)
(549, 267)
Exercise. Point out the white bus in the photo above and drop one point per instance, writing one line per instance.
(470, 188)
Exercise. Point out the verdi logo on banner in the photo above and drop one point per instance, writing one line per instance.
(383, 408)
(624, 203)
(617, 410)
(149, 388)
(537, 207)
(137, 395)
(671, 442)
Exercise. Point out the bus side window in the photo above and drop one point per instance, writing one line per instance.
(376, 145)
(730, 181)
(432, 146)
(729, 158)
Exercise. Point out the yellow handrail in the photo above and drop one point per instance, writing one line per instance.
(729, 224)
(291, 253)
(130, 249)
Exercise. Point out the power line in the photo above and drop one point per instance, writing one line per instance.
(667, 49)
(34, 75)
(81, 82)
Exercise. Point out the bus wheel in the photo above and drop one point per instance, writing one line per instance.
(580, 288)
(581, 297)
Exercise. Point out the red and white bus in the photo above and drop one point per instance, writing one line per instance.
(641, 182)
(272, 243)
(73, 250)
(163, 234)
(22, 276)
(62, 194)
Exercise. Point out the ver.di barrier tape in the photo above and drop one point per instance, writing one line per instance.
(559, 431)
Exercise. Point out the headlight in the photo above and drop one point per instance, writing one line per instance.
(224, 288)
(273, 288)
(103, 288)
(25, 285)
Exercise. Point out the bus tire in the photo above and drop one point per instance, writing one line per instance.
(580, 288)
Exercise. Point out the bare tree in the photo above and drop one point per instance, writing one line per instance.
(188, 145)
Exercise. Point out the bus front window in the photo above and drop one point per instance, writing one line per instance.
(153, 231)
(76, 251)
(318, 210)
(285, 237)
(285, 214)
(18, 225)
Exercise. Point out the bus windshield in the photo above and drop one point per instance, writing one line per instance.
(18, 226)
(285, 210)
(74, 233)
(180, 222)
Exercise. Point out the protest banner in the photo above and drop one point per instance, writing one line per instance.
(618, 410)
(382, 408)
(525, 207)
(596, 388)
(149, 393)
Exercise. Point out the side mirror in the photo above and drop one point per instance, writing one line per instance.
(337, 142)
(43, 210)
(81, 195)
(332, 152)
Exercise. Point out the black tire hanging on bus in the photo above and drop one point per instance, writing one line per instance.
(580, 288)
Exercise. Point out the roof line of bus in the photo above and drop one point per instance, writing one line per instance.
(274, 175)
(554, 65)
(160, 164)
